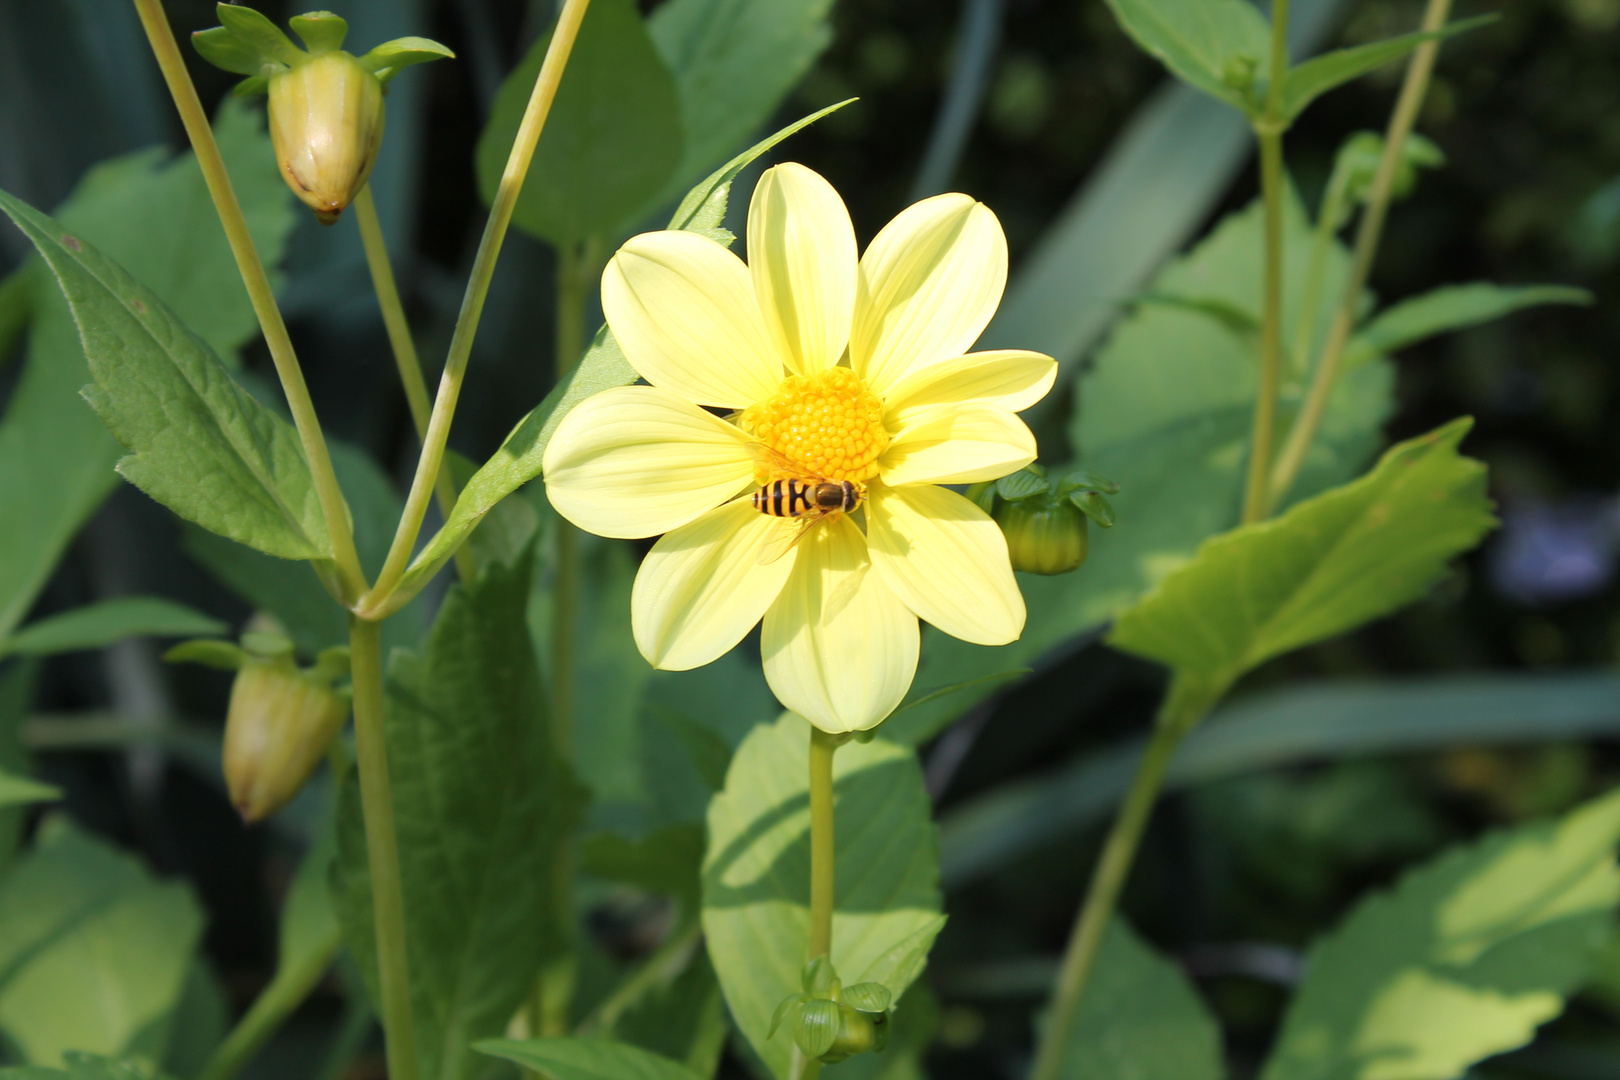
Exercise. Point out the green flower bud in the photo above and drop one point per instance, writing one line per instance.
(326, 121)
(858, 1033)
(1044, 536)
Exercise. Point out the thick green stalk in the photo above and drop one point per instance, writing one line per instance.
(382, 848)
(350, 578)
(270, 1010)
(1269, 129)
(1185, 705)
(472, 304)
(823, 853)
(1368, 234)
(404, 349)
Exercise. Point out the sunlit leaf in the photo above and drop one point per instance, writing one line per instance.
(1204, 42)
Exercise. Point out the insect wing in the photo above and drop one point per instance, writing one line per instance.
(780, 541)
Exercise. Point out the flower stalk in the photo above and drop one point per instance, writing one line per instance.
(350, 579)
(1368, 234)
(472, 304)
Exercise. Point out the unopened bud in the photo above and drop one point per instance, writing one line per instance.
(1044, 536)
(858, 1033)
(326, 121)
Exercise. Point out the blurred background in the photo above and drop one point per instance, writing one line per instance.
(1016, 102)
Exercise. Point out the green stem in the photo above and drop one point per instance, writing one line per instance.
(271, 1008)
(1368, 234)
(1185, 705)
(472, 304)
(351, 579)
(382, 848)
(822, 846)
(1269, 129)
(404, 349)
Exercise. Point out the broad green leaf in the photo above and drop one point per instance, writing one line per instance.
(1452, 307)
(1166, 410)
(20, 791)
(103, 623)
(1463, 959)
(86, 1067)
(1315, 77)
(200, 444)
(586, 1059)
(756, 875)
(481, 802)
(16, 695)
(1328, 565)
(1204, 42)
(151, 213)
(611, 141)
(1328, 720)
(684, 1019)
(197, 1025)
(601, 368)
(93, 950)
(16, 306)
(667, 861)
(1140, 1019)
(734, 62)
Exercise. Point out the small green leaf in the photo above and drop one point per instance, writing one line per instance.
(756, 876)
(611, 140)
(1022, 484)
(253, 29)
(1463, 959)
(1203, 42)
(872, 997)
(1326, 566)
(392, 57)
(321, 31)
(1452, 307)
(1308, 81)
(586, 1059)
(201, 445)
(1081, 478)
(228, 52)
(21, 791)
(96, 625)
(1140, 1019)
(782, 1010)
(1095, 506)
(815, 1026)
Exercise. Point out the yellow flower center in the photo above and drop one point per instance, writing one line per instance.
(829, 424)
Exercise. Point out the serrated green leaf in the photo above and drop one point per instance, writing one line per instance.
(1201, 40)
(252, 28)
(1328, 565)
(21, 791)
(1463, 959)
(734, 64)
(481, 801)
(93, 950)
(392, 57)
(1451, 307)
(321, 31)
(586, 1059)
(611, 141)
(756, 878)
(200, 445)
(152, 214)
(1140, 1019)
(1308, 81)
(96, 625)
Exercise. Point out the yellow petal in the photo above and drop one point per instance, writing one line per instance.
(947, 561)
(701, 588)
(801, 252)
(1014, 379)
(928, 285)
(958, 444)
(636, 461)
(840, 649)
(683, 309)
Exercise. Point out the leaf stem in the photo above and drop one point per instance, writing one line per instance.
(1368, 234)
(351, 579)
(404, 349)
(382, 848)
(472, 304)
(1269, 129)
(270, 1010)
(1186, 704)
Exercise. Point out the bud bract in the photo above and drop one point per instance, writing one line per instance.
(1044, 536)
(326, 121)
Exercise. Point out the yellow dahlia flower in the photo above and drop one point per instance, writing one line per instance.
(843, 370)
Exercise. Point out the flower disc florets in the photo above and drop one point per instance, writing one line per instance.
(828, 423)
